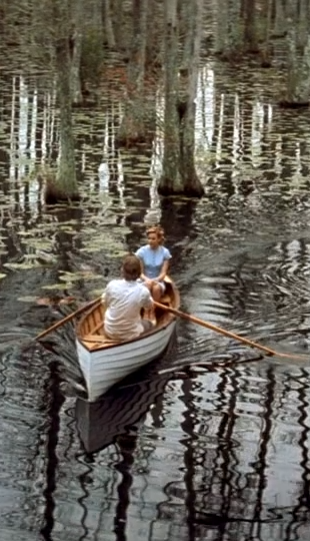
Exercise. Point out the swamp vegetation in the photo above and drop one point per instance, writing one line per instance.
(114, 115)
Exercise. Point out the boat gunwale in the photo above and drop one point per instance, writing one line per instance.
(106, 346)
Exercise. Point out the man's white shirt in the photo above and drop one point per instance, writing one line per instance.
(123, 300)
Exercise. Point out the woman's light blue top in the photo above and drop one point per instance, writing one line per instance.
(153, 260)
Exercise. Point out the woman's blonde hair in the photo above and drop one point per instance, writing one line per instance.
(158, 231)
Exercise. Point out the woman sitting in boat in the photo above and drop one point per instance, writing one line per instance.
(124, 298)
(154, 259)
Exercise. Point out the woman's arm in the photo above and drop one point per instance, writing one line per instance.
(142, 275)
(163, 271)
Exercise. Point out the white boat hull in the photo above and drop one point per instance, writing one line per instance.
(103, 368)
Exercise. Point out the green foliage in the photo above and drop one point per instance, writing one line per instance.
(92, 56)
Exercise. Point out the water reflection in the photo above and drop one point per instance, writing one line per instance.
(219, 451)
(51, 451)
(222, 454)
(228, 485)
(100, 423)
(116, 420)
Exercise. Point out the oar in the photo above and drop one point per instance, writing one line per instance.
(67, 318)
(229, 334)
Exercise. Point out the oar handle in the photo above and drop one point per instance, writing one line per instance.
(67, 318)
(226, 333)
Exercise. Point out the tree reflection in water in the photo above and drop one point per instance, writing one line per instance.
(235, 481)
(218, 454)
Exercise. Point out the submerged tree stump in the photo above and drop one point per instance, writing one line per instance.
(53, 193)
(195, 190)
(286, 104)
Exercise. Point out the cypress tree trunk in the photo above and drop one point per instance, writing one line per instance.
(154, 45)
(76, 86)
(250, 30)
(109, 31)
(267, 16)
(303, 22)
(298, 75)
(221, 26)
(179, 172)
(190, 180)
(229, 35)
(171, 181)
(234, 34)
(66, 175)
(133, 128)
(76, 51)
(64, 186)
(279, 27)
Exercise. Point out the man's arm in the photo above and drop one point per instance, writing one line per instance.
(146, 299)
(105, 296)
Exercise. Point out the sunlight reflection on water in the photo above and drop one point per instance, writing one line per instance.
(213, 447)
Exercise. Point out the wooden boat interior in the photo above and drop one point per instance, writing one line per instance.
(90, 329)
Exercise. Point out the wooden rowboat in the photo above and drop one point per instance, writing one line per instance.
(104, 362)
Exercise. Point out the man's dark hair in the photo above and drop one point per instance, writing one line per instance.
(131, 267)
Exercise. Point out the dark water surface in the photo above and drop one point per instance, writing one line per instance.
(211, 442)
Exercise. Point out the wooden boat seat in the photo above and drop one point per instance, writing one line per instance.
(92, 341)
(96, 338)
(91, 337)
(98, 327)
